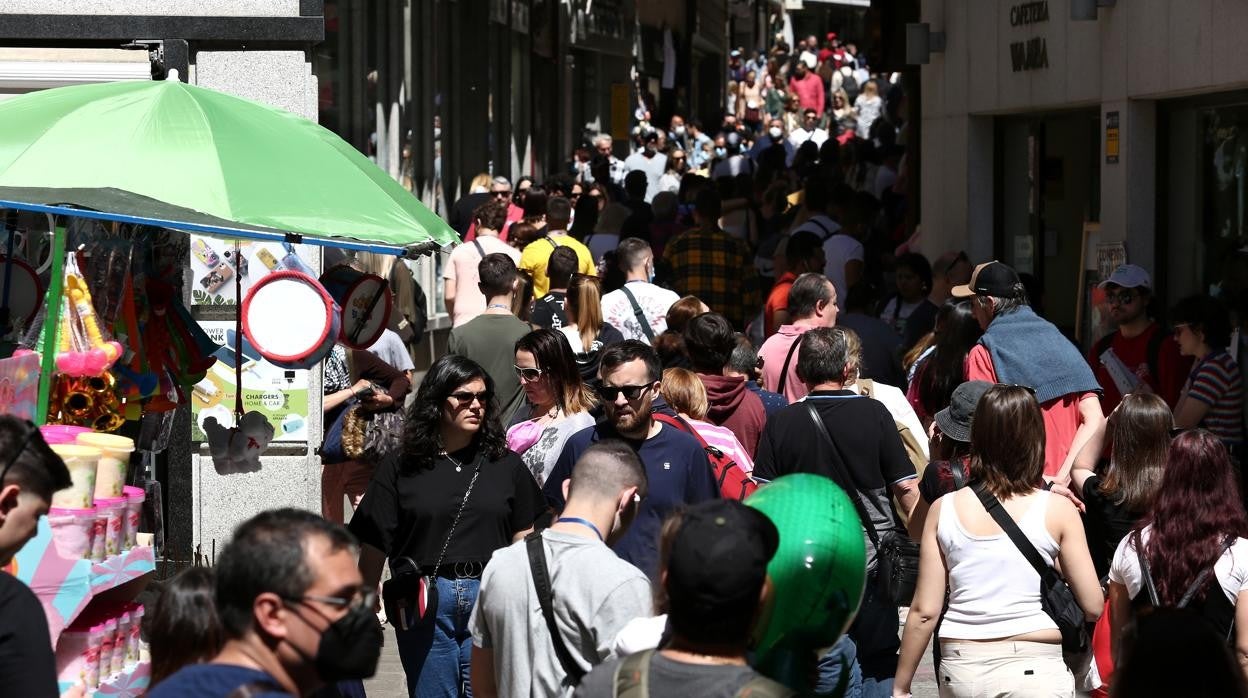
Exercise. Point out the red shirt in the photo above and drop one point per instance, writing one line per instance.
(778, 299)
(1172, 367)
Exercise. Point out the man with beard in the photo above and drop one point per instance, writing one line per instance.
(677, 469)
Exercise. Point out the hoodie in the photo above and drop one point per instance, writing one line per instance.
(733, 405)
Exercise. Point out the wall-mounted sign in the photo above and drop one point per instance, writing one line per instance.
(1033, 53)
(1111, 137)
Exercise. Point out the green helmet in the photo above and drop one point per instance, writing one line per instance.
(817, 574)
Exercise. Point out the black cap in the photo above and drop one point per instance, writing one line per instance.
(955, 420)
(719, 558)
(989, 279)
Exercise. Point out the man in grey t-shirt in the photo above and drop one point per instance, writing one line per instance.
(595, 593)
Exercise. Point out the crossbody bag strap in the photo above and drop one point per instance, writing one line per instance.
(480, 249)
(1145, 572)
(1203, 576)
(958, 475)
(637, 313)
(632, 676)
(455, 523)
(998, 513)
(784, 370)
(841, 476)
(546, 597)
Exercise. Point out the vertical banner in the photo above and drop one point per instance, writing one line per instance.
(1111, 137)
(620, 111)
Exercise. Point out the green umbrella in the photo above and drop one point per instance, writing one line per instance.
(193, 158)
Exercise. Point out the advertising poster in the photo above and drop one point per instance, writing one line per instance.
(213, 266)
(280, 394)
(19, 386)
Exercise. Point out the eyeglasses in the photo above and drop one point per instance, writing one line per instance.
(631, 392)
(362, 598)
(1121, 298)
(465, 397)
(21, 448)
(527, 375)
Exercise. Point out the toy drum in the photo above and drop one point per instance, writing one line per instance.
(25, 290)
(291, 320)
(365, 301)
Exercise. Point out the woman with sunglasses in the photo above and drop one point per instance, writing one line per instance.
(995, 631)
(586, 332)
(441, 507)
(557, 401)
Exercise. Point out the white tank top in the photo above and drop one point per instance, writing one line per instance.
(993, 591)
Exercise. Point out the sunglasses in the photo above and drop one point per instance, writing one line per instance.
(527, 375)
(631, 392)
(465, 397)
(1028, 388)
(1121, 298)
(21, 448)
(501, 194)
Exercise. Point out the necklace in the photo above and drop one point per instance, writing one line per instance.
(459, 467)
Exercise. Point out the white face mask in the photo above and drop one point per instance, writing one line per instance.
(775, 132)
(680, 130)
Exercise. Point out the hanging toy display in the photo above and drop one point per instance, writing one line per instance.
(85, 350)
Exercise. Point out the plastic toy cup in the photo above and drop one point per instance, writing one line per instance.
(71, 532)
(61, 433)
(119, 645)
(76, 663)
(114, 510)
(134, 512)
(106, 648)
(82, 462)
(133, 649)
(114, 459)
(99, 535)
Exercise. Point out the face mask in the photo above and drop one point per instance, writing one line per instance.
(350, 647)
(720, 151)
(775, 133)
(680, 130)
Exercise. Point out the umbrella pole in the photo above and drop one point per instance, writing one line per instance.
(51, 323)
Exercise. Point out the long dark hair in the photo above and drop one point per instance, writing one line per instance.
(957, 331)
(554, 356)
(424, 419)
(1198, 505)
(183, 625)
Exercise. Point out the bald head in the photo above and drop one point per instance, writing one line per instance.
(604, 471)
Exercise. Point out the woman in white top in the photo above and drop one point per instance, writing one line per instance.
(558, 401)
(1196, 523)
(995, 639)
(867, 108)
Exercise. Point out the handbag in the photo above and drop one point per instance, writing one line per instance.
(897, 556)
(410, 597)
(383, 435)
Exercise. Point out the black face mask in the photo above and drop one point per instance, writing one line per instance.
(350, 647)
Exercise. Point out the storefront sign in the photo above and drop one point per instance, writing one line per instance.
(1111, 137)
(1033, 53)
(213, 267)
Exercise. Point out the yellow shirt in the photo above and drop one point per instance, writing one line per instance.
(537, 255)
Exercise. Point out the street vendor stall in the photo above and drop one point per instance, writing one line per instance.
(112, 349)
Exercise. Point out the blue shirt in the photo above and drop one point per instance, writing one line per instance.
(772, 402)
(214, 681)
(678, 474)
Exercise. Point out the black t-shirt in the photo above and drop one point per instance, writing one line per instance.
(548, 311)
(1106, 523)
(404, 500)
(866, 440)
(27, 666)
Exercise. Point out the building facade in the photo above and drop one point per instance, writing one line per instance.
(1043, 120)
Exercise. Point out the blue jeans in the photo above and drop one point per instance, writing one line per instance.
(840, 665)
(437, 656)
(869, 649)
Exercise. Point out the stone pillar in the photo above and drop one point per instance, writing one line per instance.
(958, 181)
(1129, 187)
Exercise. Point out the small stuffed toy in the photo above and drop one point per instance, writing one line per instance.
(238, 449)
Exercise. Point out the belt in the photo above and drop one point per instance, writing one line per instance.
(461, 570)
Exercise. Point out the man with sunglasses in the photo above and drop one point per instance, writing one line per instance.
(1139, 354)
(295, 612)
(677, 469)
(30, 474)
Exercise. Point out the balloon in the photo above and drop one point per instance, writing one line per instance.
(818, 573)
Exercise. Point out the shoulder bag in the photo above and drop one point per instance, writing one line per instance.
(784, 370)
(546, 597)
(410, 597)
(897, 556)
(1056, 598)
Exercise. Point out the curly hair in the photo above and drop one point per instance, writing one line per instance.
(421, 440)
(1196, 508)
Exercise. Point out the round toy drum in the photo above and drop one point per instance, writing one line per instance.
(25, 290)
(291, 320)
(365, 301)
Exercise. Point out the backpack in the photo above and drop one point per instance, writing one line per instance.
(1154, 348)
(733, 482)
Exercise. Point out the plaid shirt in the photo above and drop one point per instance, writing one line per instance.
(719, 270)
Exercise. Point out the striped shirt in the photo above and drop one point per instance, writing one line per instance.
(1215, 381)
(726, 441)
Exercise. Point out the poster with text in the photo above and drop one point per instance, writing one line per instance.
(281, 394)
(214, 267)
(19, 386)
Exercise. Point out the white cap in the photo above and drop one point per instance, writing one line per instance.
(1129, 276)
